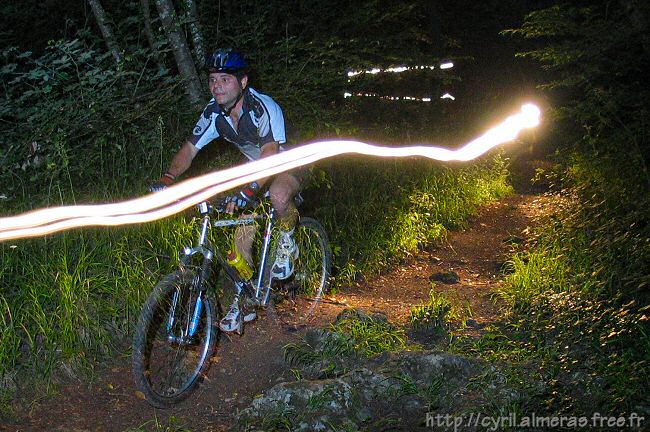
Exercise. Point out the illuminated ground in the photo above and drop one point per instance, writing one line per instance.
(243, 368)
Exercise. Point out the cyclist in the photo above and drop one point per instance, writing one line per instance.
(254, 123)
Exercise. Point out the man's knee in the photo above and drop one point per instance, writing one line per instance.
(281, 199)
(282, 190)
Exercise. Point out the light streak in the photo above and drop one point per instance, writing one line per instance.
(447, 64)
(394, 98)
(447, 96)
(396, 69)
(188, 193)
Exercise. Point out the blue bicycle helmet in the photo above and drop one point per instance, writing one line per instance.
(227, 61)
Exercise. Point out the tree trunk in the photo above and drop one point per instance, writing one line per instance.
(106, 30)
(148, 31)
(180, 49)
(195, 31)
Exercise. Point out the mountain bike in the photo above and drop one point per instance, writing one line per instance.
(177, 331)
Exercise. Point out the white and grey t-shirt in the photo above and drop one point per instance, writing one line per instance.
(261, 121)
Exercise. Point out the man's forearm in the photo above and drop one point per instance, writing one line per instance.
(182, 160)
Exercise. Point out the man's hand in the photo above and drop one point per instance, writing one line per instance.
(242, 199)
(162, 183)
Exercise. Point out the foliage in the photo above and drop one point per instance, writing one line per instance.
(370, 334)
(54, 133)
(387, 211)
(301, 50)
(579, 296)
(354, 334)
(72, 299)
(438, 312)
(580, 300)
(597, 56)
(173, 424)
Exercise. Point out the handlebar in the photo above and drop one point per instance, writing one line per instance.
(219, 204)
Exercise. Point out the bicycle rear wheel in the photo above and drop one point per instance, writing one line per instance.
(167, 362)
(301, 294)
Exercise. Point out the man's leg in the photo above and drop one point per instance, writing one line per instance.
(283, 189)
(244, 237)
(233, 320)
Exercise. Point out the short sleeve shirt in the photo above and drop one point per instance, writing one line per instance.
(261, 122)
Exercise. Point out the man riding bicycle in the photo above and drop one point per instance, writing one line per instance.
(254, 123)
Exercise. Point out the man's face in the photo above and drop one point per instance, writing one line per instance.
(225, 88)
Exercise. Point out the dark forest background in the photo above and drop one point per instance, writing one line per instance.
(97, 95)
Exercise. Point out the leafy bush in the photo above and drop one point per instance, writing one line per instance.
(579, 297)
(69, 126)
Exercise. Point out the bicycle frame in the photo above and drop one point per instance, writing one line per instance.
(179, 325)
(204, 247)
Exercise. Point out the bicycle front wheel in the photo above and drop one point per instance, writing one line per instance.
(169, 359)
(302, 293)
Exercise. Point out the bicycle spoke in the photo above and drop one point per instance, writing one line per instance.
(166, 370)
(302, 293)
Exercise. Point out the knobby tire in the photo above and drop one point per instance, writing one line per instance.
(167, 372)
(298, 297)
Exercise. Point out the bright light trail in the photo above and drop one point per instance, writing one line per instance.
(188, 193)
(395, 98)
(447, 96)
(398, 69)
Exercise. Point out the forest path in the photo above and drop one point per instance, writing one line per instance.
(244, 367)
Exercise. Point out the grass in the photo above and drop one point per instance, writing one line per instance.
(577, 327)
(386, 211)
(439, 312)
(173, 424)
(354, 334)
(370, 335)
(71, 298)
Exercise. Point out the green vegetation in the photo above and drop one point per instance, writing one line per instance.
(369, 335)
(173, 424)
(355, 334)
(577, 329)
(71, 298)
(439, 312)
(388, 210)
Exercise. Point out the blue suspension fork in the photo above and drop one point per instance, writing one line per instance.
(198, 287)
(206, 271)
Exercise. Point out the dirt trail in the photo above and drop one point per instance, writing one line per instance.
(245, 367)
